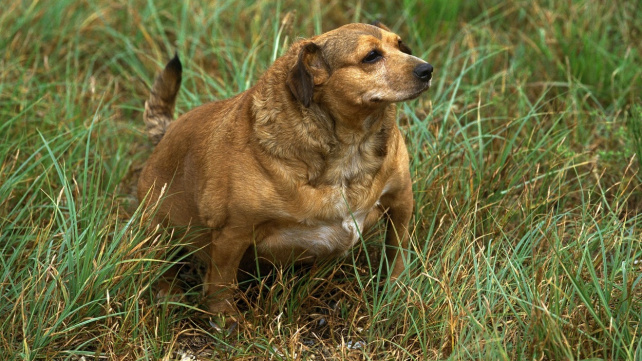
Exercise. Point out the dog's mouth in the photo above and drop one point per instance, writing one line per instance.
(417, 93)
(395, 97)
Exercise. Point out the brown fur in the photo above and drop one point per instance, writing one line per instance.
(294, 168)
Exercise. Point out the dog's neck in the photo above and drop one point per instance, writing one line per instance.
(332, 149)
(360, 147)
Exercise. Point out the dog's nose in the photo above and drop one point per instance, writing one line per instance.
(423, 71)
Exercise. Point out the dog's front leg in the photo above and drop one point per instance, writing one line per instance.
(398, 205)
(225, 253)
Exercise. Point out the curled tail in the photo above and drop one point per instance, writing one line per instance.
(159, 107)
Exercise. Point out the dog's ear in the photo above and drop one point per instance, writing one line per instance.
(309, 70)
(402, 47)
(380, 25)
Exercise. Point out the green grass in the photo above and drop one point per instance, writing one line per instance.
(525, 157)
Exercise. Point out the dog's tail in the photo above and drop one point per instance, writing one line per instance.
(159, 108)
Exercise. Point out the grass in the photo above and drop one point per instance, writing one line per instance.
(525, 155)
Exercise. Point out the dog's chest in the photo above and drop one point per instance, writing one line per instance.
(331, 229)
(340, 206)
(314, 238)
(353, 166)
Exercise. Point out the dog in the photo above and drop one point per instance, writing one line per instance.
(295, 168)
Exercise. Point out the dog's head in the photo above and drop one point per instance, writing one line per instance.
(357, 66)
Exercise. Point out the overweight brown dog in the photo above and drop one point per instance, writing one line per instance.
(294, 168)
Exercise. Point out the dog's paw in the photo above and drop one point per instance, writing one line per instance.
(224, 316)
(224, 324)
(167, 292)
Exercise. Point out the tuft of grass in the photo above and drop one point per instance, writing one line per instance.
(634, 133)
(525, 158)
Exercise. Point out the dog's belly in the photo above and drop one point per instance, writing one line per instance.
(314, 240)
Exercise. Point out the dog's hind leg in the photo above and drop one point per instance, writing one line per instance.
(225, 254)
(159, 107)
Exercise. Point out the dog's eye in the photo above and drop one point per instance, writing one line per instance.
(372, 57)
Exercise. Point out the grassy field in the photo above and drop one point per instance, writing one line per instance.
(525, 154)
